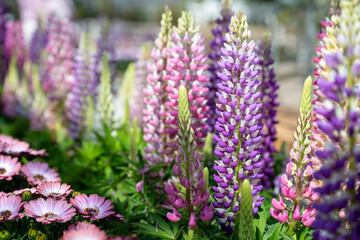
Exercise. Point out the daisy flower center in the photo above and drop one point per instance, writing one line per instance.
(54, 194)
(49, 215)
(5, 214)
(2, 170)
(91, 211)
(39, 177)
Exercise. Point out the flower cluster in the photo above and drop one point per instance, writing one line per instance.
(238, 126)
(3, 57)
(188, 168)
(297, 189)
(339, 215)
(187, 66)
(219, 31)
(84, 89)
(14, 43)
(270, 103)
(14, 147)
(155, 96)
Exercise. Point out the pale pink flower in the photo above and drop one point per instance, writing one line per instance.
(19, 192)
(93, 207)
(84, 230)
(54, 190)
(15, 147)
(50, 210)
(8, 167)
(9, 207)
(37, 172)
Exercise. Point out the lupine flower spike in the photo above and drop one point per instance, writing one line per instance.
(189, 169)
(105, 103)
(328, 45)
(3, 57)
(219, 31)
(269, 98)
(297, 189)
(154, 113)
(187, 66)
(338, 211)
(246, 228)
(84, 89)
(238, 126)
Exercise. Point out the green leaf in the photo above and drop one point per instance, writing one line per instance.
(303, 234)
(162, 224)
(152, 231)
(273, 231)
(260, 220)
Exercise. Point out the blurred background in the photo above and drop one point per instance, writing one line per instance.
(294, 25)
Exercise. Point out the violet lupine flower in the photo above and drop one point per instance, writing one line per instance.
(14, 43)
(187, 66)
(328, 44)
(296, 188)
(10, 207)
(54, 190)
(37, 44)
(8, 167)
(3, 58)
(93, 207)
(49, 210)
(37, 172)
(219, 31)
(189, 169)
(83, 90)
(338, 212)
(158, 149)
(58, 65)
(16, 148)
(84, 230)
(270, 103)
(238, 126)
(141, 74)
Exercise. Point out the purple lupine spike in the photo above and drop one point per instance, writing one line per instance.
(238, 126)
(58, 66)
(83, 89)
(338, 212)
(269, 88)
(14, 43)
(3, 58)
(141, 73)
(187, 66)
(37, 44)
(222, 26)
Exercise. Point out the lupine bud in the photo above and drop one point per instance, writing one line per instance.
(296, 214)
(139, 186)
(246, 228)
(192, 222)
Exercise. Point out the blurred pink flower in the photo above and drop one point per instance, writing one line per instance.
(54, 190)
(93, 207)
(15, 147)
(8, 167)
(50, 210)
(37, 172)
(83, 230)
(9, 207)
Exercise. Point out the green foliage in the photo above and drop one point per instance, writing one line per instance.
(246, 228)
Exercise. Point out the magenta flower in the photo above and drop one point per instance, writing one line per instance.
(37, 172)
(83, 230)
(9, 207)
(15, 147)
(8, 167)
(50, 210)
(93, 207)
(54, 190)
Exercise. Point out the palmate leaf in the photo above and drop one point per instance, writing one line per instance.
(273, 232)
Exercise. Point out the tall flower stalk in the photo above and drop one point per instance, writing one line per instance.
(155, 97)
(187, 66)
(3, 57)
(238, 126)
(269, 87)
(297, 190)
(188, 168)
(84, 89)
(339, 215)
(219, 31)
(15, 44)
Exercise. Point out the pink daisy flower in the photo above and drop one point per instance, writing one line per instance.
(83, 231)
(8, 167)
(19, 192)
(50, 210)
(93, 207)
(37, 172)
(9, 208)
(54, 190)
(15, 147)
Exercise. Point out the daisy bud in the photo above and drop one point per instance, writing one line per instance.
(32, 233)
(4, 235)
(26, 195)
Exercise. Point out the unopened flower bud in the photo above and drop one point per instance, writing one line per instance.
(26, 195)
(4, 235)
